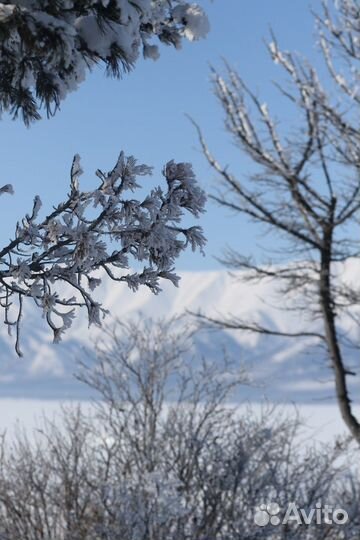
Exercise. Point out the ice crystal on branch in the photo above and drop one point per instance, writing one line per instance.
(48, 46)
(99, 230)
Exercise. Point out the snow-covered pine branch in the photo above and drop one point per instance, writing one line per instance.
(47, 46)
(98, 230)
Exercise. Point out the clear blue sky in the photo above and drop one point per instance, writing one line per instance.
(144, 114)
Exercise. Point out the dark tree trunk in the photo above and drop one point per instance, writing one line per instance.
(331, 336)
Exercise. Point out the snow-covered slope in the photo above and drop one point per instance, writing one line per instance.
(282, 369)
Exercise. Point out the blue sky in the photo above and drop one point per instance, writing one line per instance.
(144, 114)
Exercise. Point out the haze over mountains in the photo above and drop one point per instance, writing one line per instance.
(281, 369)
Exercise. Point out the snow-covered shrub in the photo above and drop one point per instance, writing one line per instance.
(164, 457)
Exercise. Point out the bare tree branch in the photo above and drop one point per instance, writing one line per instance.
(307, 187)
(98, 230)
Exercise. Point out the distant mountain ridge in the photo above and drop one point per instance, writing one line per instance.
(281, 369)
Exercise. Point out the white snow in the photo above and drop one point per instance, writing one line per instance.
(197, 24)
(282, 369)
(321, 423)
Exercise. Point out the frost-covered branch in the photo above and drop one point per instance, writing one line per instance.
(306, 187)
(163, 455)
(47, 46)
(100, 230)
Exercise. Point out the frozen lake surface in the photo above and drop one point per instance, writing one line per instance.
(321, 422)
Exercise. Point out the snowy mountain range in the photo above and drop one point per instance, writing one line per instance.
(281, 369)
